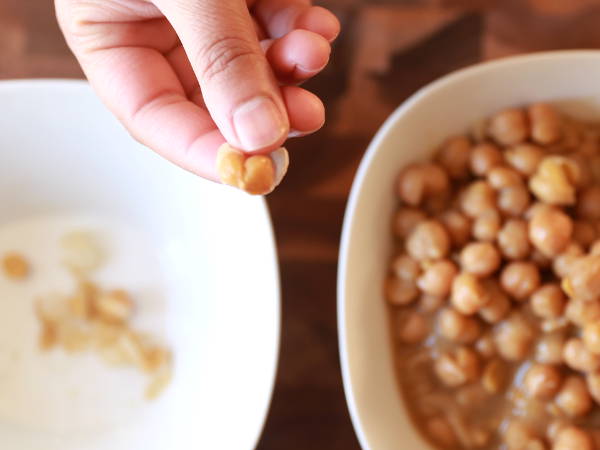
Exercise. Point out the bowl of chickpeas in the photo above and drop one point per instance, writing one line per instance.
(469, 276)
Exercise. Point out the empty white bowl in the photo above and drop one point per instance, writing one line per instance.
(199, 260)
(446, 107)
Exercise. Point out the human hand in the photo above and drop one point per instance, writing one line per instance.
(184, 76)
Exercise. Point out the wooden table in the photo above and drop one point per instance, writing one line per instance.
(388, 50)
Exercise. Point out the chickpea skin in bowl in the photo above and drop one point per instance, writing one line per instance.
(511, 346)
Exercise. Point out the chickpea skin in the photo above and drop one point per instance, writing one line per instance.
(555, 181)
(573, 398)
(501, 177)
(406, 268)
(550, 230)
(581, 312)
(513, 200)
(428, 241)
(520, 279)
(480, 258)
(499, 304)
(561, 265)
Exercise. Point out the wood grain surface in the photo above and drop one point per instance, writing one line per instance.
(388, 49)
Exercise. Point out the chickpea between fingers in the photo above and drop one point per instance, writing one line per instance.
(255, 174)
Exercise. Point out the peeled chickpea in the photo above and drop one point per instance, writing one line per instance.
(441, 432)
(498, 305)
(549, 348)
(593, 384)
(430, 303)
(555, 181)
(581, 312)
(562, 263)
(480, 258)
(546, 123)
(484, 157)
(468, 293)
(437, 278)
(584, 233)
(457, 367)
(514, 337)
(406, 219)
(429, 240)
(548, 301)
(591, 337)
(406, 268)
(524, 158)
(520, 279)
(501, 177)
(458, 226)
(457, 327)
(513, 200)
(399, 292)
(455, 156)
(577, 356)
(550, 230)
(573, 398)
(412, 327)
(588, 203)
(513, 239)
(572, 438)
(542, 381)
(583, 280)
(487, 225)
(509, 127)
(477, 198)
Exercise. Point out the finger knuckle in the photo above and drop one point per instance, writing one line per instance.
(223, 54)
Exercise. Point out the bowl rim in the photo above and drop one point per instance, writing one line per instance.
(365, 163)
(78, 84)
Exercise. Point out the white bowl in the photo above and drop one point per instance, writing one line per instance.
(198, 258)
(446, 107)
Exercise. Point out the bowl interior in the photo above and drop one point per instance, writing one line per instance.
(447, 107)
(205, 282)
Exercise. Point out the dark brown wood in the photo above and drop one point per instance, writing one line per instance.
(387, 50)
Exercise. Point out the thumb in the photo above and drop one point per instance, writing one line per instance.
(238, 86)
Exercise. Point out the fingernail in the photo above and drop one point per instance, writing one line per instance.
(258, 124)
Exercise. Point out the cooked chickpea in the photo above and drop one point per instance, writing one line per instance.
(406, 220)
(430, 303)
(412, 327)
(572, 438)
(457, 367)
(561, 265)
(457, 327)
(520, 279)
(513, 239)
(548, 301)
(549, 348)
(429, 240)
(501, 177)
(524, 158)
(580, 312)
(513, 200)
(555, 181)
(455, 156)
(411, 185)
(588, 203)
(480, 258)
(458, 226)
(484, 157)
(584, 233)
(514, 337)
(485, 346)
(441, 432)
(437, 278)
(550, 230)
(498, 306)
(546, 123)
(436, 178)
(577, 356)
(487, 225)
(477, 198)
(573, 398)
(495, 376)
(468, 293)
(399, 292)
(542, 381)
(583, 280)
(595, 247)
(521, 436)
(591, 337)
(509, 127)
(593, 384)
(406, 268)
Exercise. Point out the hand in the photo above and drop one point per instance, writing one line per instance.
(184, 76)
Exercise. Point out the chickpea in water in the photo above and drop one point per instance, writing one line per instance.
(497, 287)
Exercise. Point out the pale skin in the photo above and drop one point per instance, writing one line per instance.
(185, 76)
